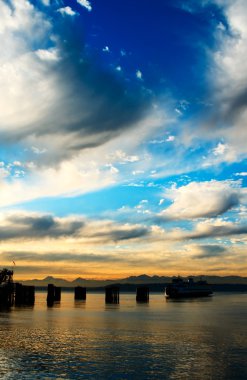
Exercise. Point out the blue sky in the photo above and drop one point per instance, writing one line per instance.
(123, 137)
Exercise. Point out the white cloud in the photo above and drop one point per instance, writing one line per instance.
(81, 174)
(47, 55)
(170, 138)
(67, 11)
(220, 149)
(179, 111)
(4, 173)
(46, 2)
(17, 163)
(122, 158)
(230, 79)
(221, 27)
(137, 172)
(70, 178)
(106, 49)
(202, 199)
(241, 174)
(119, 68)
(139, 74)
(38, 150)
(86, 4)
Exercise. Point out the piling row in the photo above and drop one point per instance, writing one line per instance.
(19, 294)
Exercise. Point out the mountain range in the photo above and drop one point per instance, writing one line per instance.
(142, 279)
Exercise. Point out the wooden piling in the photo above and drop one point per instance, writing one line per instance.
(80, 293)
(142, 294)
(24, 295)
(50, 294)
(57, 293)
(6, 295)
(112, 294)
(53, 294)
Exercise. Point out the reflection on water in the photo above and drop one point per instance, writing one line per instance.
(80, 304)
(189, 339)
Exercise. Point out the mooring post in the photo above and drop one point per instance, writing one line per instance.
(50, 294)
(142, 294)
(7, 295)
(24, 295)
(80, 293)
(29, 295)
(112, 294)
(57, 293)
(18, 294)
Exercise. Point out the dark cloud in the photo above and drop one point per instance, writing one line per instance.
(226, 203)
(236, 106)
(218, 231)
(228, 111)
(57, 257)
(210, 251)
(118, 234)
(38, 226)
(31, 226)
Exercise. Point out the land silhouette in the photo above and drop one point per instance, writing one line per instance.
(129, 283)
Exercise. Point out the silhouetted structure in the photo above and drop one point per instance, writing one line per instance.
(6, 288)
(142, 294)
(57, 293)
(53, 294)
(24, 295)
(80, 293)
(112, 294)
(180, 288)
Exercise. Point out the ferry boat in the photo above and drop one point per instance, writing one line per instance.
(180, 288)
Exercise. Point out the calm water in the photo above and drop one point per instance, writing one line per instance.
(192, 339)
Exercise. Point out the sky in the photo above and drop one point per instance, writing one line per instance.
(123, 138)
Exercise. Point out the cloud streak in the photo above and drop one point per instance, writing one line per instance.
(34, 226)
(211, 251)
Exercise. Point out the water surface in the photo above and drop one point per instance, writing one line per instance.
(189, 339)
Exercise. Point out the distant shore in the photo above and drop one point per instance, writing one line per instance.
(155, 288)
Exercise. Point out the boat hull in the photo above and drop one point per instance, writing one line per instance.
(186, 291)
(189, 294)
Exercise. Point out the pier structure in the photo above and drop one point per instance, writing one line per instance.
(6, 288)
(24, 295)
(112, 294)
(142, 294)
(80, 293)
